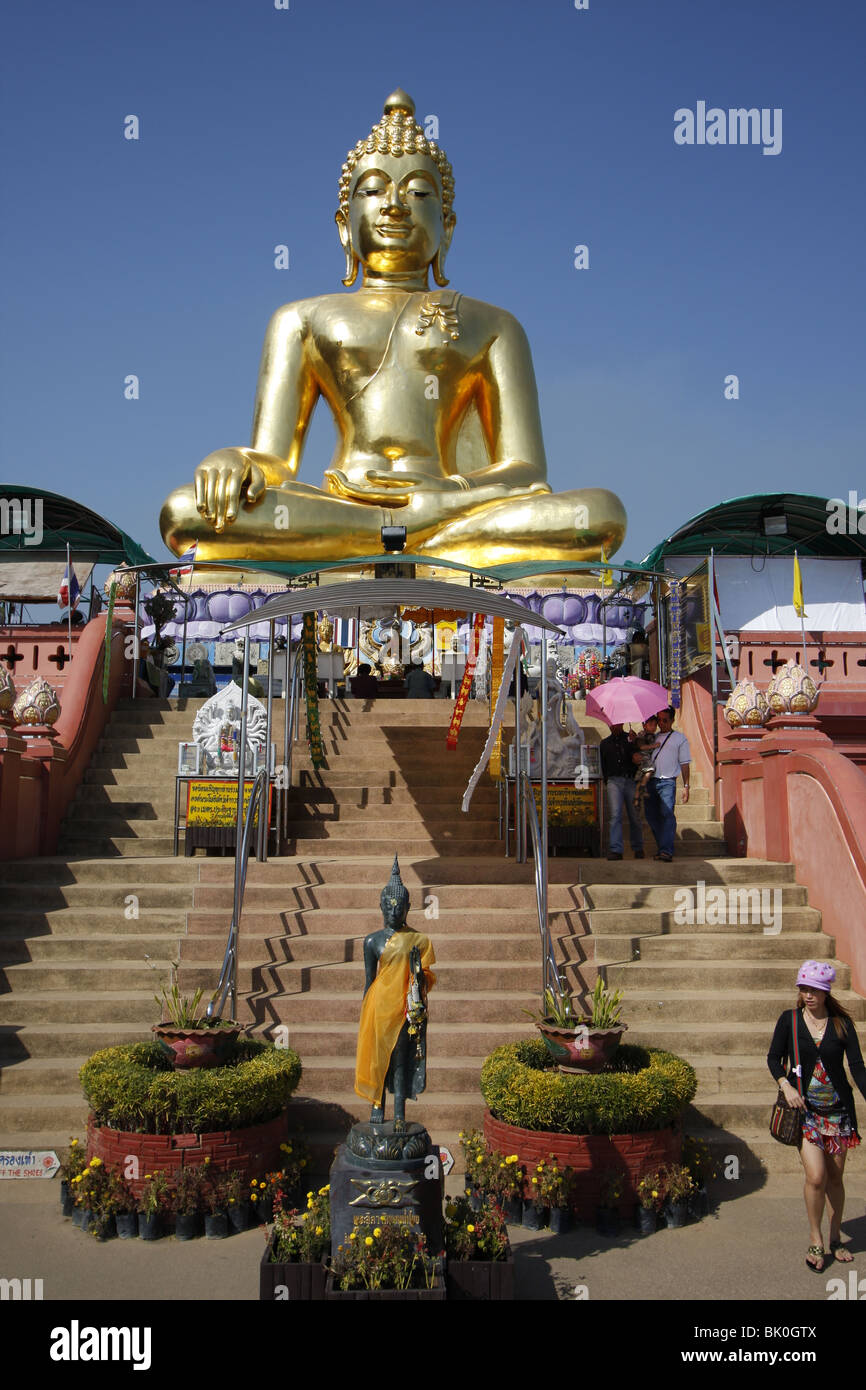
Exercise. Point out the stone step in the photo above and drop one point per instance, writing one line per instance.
(404, 825)
(311, 800)
(696, 1039)
(749, 1153)
(41, 977)
(611, 931)
(64, 1111)
(650, 1008)
(713, 871)
(331, 950)
(788, 945)
(295, 979)
(17, 896)
(672, 977)
(62, 870)
(331, 1074)
(48, 1076)
(301, 931)
(51, 949)
(116, 846)
(95, 924)
(445, 1112)
(459, 1038)
(43, 1040)
(743, 1075)
(60, 1008)
(446, 843)
(733, 1110)
(603, 899)
(338, 897)
(327, 1008)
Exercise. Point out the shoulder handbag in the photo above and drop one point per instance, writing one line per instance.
(786, 1123)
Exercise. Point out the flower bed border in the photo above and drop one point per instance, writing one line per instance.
(591, 1156)
(252, 1150)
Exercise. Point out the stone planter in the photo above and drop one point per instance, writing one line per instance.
(481, 1280)
(252, 1151)
(289, 1282)
(591, 1156)
(196, 1047)
(581, 1049)
(437, 1293)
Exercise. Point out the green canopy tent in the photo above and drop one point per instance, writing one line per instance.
(40, 525)
(769, 523)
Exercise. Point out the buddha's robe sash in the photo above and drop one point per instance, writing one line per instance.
(383, 1011)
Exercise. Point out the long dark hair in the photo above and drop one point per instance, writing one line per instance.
(840, 1016)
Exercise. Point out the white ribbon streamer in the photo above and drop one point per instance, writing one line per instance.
(498, 716)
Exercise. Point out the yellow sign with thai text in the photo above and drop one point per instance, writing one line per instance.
(216, 803)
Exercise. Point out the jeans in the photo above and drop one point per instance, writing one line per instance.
(620, 792)
(659, 804)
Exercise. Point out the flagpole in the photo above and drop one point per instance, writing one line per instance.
(68, 601)
(802, 608)
(185, 612)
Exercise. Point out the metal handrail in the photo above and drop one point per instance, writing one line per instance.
(228, 980)
(550, 978)
(291, 732)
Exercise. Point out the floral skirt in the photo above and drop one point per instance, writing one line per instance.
(827, 1122)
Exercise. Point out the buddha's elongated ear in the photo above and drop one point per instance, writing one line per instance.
(438, 266)
(352, 262)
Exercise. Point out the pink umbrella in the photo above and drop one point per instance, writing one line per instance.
(626, 700)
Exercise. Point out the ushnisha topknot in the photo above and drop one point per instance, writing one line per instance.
(399, 133)
(395, 890)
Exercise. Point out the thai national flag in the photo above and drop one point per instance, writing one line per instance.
(185, 562)
(345, 630)
(70, 590)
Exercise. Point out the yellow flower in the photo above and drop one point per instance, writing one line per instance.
(73, 1143)
(262, 1184)
(319, 1232)
(377, 1230)
(540, 1168)
(207, 1159)
(352, 1235)
(655, 1194)
(147, 1177)
(311, 1194)
(480, 1159)
(535, 1180)
(470, 1229)
(368, 1240)
(254, 1196)
(96, 1163)
(252, 1182)
(323, 1191)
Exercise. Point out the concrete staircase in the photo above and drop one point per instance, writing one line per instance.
(87, 938)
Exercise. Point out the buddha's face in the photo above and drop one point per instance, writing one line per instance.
(395, 212)
(394, 912)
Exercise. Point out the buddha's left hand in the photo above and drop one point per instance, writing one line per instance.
(391, 489)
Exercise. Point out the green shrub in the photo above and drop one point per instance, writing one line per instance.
(642, 1088)
(135, 1088)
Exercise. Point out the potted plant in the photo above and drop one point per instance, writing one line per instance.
(187, 1199)
(90, 1188)
(151, 1204)
(679, 1188)
(390, 1261)
(556, 1184)
(506, 1183)
(293, 1263)
(216, 1221)
(581, 1042)
(125, 1207)
(186, 1034)
(607, 1211)
(238, 1205)
(479, 1260)
(74, 1163)
(296, 1158)
(476, 1165)
(699, 1161)
(534, 1206)
(651, 1194)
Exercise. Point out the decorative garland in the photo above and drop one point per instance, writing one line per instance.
(676, 629)
(311, 690)
(498, 715)
(466, 683)
(106, 659)
(497, 662)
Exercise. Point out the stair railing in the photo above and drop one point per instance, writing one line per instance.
(550, 979)
(228, 980)
(293, 710)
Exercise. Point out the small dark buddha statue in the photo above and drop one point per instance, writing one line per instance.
(392, 1037)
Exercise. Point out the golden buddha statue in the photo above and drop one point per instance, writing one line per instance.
(433, 395)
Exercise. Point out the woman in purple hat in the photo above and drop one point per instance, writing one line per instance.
(825, 1036)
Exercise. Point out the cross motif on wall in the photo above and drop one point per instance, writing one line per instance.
(10, 656)
(61, 656)
(775, 661)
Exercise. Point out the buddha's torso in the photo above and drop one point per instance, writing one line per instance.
(397, 395)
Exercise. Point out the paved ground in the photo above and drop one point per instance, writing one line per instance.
(751, 1247)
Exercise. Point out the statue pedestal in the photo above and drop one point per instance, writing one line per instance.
(369, 1191)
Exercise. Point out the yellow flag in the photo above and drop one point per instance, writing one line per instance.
(798, 600)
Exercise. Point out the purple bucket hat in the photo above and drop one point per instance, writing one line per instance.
(814, 974)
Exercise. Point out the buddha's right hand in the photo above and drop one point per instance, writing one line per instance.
(222, 480)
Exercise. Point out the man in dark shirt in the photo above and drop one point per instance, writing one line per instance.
(364, 686)
(619, 761)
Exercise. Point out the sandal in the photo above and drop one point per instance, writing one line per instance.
(841, 1253)
(663, 858)
(817, 1251)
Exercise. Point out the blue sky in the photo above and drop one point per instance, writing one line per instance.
(155, 257)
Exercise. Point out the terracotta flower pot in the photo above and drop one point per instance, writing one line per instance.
(581, 1049)
(196, 1047)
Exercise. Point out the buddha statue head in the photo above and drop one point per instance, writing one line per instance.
(396, 214)
(394, 899)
